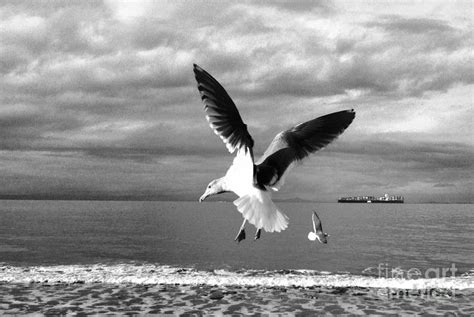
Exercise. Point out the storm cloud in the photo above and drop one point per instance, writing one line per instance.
(98, 97)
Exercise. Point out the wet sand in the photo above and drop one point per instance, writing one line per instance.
(99, 298)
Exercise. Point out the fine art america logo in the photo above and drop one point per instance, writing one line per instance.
(384, 270)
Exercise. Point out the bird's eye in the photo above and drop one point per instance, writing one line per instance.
(209, 186)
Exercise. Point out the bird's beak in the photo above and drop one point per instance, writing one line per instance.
(204, 196)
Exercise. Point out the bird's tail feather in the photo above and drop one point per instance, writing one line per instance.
(258, 208)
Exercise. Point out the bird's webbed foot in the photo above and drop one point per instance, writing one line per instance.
(257, 234)
(241, 235)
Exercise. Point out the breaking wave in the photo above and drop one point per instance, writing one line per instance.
(131, 273)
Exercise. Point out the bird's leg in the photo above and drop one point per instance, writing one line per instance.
(257, 233)
(241, 235)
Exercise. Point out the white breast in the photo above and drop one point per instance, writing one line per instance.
(239, 176)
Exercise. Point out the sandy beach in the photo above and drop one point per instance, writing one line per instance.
(99, 298)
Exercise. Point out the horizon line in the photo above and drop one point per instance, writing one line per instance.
(170, 199)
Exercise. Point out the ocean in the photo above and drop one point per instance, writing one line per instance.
(378, 245)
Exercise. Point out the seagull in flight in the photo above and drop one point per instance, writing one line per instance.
(318, 230)
(253, 181)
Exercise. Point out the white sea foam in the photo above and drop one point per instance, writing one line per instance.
(162, 274)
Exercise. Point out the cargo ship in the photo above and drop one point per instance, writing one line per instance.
(386, 199)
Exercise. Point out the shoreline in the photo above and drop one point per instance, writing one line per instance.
(100, 298)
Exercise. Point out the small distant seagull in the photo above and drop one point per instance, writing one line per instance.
(252, 181)
(318, 230)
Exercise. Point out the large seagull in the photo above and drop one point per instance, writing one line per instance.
(254, 181)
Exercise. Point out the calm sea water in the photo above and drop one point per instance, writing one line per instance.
(189, 234)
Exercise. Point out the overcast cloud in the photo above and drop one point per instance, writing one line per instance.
(98, 98)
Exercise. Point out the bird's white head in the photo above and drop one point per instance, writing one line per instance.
(321, 237)
(215, 187)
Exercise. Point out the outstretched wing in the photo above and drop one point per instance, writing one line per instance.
(221, 112)
(297, 143)
(318, 227)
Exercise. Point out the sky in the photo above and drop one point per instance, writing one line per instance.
(98, 98)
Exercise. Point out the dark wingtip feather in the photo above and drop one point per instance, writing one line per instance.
(352, 112)
(198, 70)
